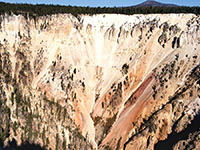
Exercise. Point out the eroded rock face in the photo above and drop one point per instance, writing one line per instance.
(101, 82)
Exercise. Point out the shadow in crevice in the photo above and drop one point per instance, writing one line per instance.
(174, 137)
(12, 145)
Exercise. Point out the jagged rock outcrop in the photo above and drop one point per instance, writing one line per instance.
(99, 82)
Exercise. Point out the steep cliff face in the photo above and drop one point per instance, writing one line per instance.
(99, 82)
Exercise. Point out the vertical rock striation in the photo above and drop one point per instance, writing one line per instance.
(99, 82)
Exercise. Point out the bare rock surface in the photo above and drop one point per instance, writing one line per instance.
(100, 82)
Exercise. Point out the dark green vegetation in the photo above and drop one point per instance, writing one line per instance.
(125, 68)
(40, 10)
(12, 145)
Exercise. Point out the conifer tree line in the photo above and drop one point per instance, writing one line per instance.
(42, 9)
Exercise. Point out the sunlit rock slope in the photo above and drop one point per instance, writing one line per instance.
(99, 82)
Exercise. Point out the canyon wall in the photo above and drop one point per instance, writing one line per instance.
(100, 82)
